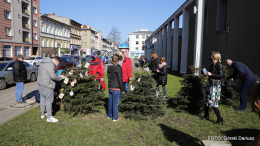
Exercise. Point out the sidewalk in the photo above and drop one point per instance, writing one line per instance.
(9, 108)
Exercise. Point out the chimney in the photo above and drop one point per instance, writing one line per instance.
(51, 14)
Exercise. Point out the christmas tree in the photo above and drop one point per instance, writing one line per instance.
(141, 102)
(190, 96)
(80, 93)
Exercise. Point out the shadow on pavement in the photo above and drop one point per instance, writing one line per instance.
(179, 137)
(30, 95)
(239, 134)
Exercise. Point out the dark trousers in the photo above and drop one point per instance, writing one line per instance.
(245, 87)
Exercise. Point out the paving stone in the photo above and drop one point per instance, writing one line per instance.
(216, 143)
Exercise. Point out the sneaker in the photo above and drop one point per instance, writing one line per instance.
(109, 117)
(240, 110)
(43, 116)
(117, 119)
(52, 119)
(157, 93)
(22, 101)
(164, 98)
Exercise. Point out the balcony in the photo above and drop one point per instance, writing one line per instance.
(26, 37)
(25, 22)
(25, 8)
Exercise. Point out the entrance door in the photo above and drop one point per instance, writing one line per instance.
(35, 49)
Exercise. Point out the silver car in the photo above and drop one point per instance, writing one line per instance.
(6, 73)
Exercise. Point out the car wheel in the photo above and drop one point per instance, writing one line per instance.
(3, 84)
(33, 77)
(34, 64)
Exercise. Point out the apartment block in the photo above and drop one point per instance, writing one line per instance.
(19, 31)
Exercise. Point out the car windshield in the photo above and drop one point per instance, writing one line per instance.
(30, 58)
(2, 66)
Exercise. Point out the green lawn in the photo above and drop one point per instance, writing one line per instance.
(95, 129)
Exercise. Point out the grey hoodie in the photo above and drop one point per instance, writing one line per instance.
(46, 74)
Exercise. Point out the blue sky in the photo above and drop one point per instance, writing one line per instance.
(127, 15)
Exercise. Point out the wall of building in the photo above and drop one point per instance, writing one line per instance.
(86, 38)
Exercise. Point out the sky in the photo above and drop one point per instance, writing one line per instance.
(127, 15)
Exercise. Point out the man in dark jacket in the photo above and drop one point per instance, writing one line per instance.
(19, 75)
(46, 84)
(241, 71)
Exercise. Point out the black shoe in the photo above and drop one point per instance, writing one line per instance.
(22, 101)
(220, 120)
(206, 116)
(240, 110)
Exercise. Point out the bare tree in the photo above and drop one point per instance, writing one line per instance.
(114, 34)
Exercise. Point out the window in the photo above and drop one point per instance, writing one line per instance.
(50, 30)
(26, 64)
(142, 42)
(42, 42)
(7, 14)
(35, 36)
(34, 10)
(137, 36)
(47, 43)
(54, 31)
(143, 37)
(26, 51)
(65, 34)
(58, 33)
(8, 31)
(51, 43)
(7, 51)
(47, 29)
(137, 48)
(222, 15)
(11, 65)
(7, 1)
(42, 28)
(137, 42)
(17, 50)
(34, 23)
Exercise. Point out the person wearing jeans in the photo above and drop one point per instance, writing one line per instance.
(19, 76)
(126, 65)
(116, 87)
(162, 76)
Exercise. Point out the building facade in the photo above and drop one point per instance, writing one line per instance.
(19, 30)
(87, 39)
(137, 41)
(229, 27)
(55, 37)
(75, 32)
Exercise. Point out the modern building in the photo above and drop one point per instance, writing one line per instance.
(55, 37)
(19, 31)
(75, 32)
(137, 41)
(230, 27)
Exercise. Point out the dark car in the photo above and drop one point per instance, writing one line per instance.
(66, 63)
(5, 59)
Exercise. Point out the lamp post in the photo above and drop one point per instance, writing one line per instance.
(109, 38)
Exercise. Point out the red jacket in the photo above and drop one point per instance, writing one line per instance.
(127, 69)
(97, 68)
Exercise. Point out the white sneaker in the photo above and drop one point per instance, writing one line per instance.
(43, 116)
(52, 119)
(157, 93)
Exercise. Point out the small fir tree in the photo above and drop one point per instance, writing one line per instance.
(142, 103)
(81, 93)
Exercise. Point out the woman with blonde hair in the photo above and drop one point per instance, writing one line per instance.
(154, 65)
(162, 75)
(116, 87)
(213, 89)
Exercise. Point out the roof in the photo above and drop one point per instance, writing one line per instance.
(142, 32)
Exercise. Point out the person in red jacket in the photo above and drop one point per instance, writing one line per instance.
(126, 65)
(97, 68)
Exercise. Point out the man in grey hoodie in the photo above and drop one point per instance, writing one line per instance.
(46, 84)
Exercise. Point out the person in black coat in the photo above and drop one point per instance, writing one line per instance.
(154, 65)
(20, 76)
(162, 76)
(241, 71)
(213, 89)
(116, 87)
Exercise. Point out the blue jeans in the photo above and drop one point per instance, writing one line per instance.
(245, 87)
(113, 103)
(19, 91)
(126, 86)
(164, 88)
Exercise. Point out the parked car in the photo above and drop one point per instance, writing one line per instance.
(136, 58)
(6, 73)
(5, 59)
(66, 63)
(35, 61)
(141, 57)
